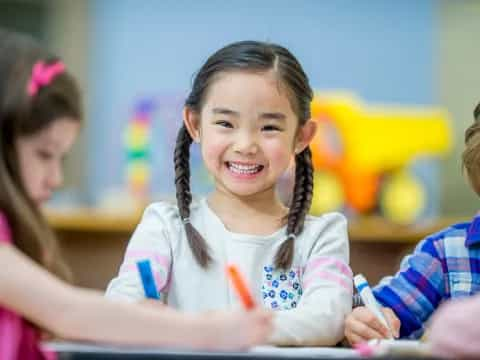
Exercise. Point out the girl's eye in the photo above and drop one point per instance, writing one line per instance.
(224, 123)
(45, 155)
(271, 128)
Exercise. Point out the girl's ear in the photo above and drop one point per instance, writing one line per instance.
(305, 135)
(192, 123)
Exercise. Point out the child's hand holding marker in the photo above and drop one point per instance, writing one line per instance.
(371, 321)
(362, 325)
(239, 327)
(256, 315)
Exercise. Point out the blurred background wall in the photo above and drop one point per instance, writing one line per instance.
(381, 50)
(408, 53)
(457, 86)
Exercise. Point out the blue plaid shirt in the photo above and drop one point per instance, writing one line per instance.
(444, 265)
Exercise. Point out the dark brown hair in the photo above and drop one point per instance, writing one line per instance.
(25, 115)
(471, 154)
(259, 57)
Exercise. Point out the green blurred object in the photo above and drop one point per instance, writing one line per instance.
(26, 16)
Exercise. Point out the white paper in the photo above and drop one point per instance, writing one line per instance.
(259, 351)
(305, 352)
(399, 347)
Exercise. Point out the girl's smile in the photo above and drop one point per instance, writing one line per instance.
(242, 170)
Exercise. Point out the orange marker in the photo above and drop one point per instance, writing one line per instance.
(240, 287)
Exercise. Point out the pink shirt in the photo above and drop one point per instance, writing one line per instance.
(18, 339)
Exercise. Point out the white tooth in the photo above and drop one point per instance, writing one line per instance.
(244, 169)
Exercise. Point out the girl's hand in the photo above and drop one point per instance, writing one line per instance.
(362, 325)
(225, 330)
(235, 330)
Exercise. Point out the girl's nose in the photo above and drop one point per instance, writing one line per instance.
(55, 177)
(246, 143)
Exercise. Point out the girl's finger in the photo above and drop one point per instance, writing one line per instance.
(364, 331)
(371, 321)
(393, 321)
(354, 339)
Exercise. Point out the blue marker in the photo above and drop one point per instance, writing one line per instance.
(146, 275)
(369, 300)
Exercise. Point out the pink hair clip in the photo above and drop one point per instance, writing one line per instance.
(42, 75)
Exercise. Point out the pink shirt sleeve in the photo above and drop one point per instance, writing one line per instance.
(5, 233)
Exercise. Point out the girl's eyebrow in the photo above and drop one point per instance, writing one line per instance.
(225, 111)
(264, 116)
(273, 116)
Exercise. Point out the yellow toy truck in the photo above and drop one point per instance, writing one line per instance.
(366, 158)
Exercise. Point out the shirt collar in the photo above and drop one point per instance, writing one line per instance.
(473, 232)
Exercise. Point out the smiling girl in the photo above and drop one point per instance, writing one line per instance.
(249, 109)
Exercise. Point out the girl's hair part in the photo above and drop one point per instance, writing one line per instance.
(261, 57)
(23, 115)
(471, 154)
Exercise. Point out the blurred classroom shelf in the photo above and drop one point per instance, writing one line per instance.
(92, 220)
(366, 229)
(376, 229)
(93, 242)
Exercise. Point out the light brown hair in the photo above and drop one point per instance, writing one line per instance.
(471, 154)
(25, 115)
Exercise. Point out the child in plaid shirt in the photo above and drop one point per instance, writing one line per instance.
(443, 266)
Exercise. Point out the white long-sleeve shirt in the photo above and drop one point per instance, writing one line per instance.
(312, 298)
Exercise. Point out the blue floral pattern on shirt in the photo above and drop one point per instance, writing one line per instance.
(281, 290)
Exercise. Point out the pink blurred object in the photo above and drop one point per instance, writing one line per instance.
(455, 329)
(364, 349)
(42, 75)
